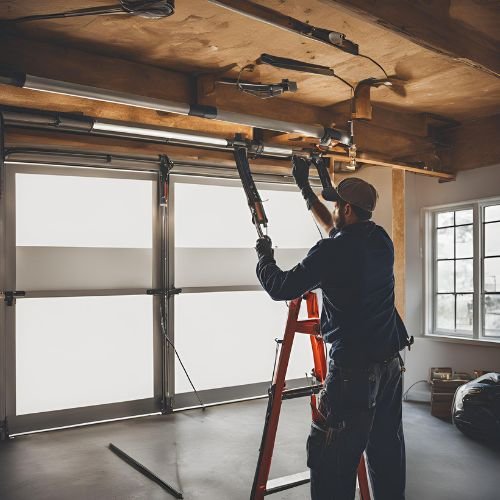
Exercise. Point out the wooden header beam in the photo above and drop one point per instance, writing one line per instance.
(396, 166)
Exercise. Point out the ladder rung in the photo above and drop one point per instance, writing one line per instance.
(286, 482)
(300, 392)
(309, 326)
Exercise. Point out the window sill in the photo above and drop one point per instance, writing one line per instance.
(462, 340)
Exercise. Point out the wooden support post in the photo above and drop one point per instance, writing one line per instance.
(399, 236)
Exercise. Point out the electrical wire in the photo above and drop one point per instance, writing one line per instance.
(152, 9)
(317, 227)
(344, 81)
(184, 369)
(408, 390)
(262, 91)
(164, 306)
(164, 332)
(105, 10)
(374, 62)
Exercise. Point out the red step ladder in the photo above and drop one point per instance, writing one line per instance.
(277, 393)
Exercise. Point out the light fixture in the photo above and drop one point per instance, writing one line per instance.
(174, 135)
(42, 84)
(276, 151)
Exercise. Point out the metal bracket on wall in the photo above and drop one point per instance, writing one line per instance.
(163, 291)
(9, 296)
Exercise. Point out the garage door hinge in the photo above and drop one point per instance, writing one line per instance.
(160, 291)
(8, 296)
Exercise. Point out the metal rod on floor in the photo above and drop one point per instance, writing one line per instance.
(143, 470)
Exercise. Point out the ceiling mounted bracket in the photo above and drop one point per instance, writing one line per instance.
(275, 18)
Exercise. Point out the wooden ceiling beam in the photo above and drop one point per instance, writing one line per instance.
(365, 160)
(59, 63)
(430, 25)
(398, 120)
(474, 144)
(68, 64)
(393, 135)
(17, 137)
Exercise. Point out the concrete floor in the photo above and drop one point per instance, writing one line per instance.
(211, 455)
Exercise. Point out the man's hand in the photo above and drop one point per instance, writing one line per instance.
(300, 171)
(264, 249)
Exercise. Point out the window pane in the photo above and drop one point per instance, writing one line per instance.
(492, 213)
(492, 315)
(492, 275)
(446, 276)
(282, 207)
(217, 216)
(214, 245)
(80, 351)
(465, 247)
(210, 216)
(463, 217)
(464, 312)
(445, 243)
(71, 211)
(492, 239)
(445, 219)
(78, 233)
(464, 280)
(445, 317)
(237, 333)
(65, 268)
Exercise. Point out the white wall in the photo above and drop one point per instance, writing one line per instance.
(425, 192)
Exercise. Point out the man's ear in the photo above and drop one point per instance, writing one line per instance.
(347, 209)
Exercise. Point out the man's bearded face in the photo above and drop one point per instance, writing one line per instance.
(338, 216)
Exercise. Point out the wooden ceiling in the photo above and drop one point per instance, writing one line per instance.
(443, 52)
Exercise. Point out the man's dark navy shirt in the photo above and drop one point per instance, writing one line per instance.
(354, 269)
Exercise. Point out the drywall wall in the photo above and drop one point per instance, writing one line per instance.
(427, 353)
(426, 192)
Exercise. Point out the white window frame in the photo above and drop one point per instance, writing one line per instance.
(430, 272)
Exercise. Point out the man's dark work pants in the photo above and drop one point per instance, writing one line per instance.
(364, 408)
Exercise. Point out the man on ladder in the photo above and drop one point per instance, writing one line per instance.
(361, 401)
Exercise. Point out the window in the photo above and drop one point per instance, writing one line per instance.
(222, 306)
(463, 270)
(491, 271)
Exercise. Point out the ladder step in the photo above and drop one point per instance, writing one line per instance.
(300, 392)
(309, 326)
(287, 482)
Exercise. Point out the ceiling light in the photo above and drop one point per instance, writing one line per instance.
(167, 134)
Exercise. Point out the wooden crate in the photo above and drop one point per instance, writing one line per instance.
(442, 393)
(443, 373)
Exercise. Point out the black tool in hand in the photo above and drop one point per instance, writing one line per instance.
(300, 172)
(265, 249)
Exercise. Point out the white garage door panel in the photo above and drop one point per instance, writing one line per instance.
(72, 268)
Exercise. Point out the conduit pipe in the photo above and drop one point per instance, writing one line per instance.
(89, 125)
(23, 80)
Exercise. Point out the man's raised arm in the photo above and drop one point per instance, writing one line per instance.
(300, 172)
